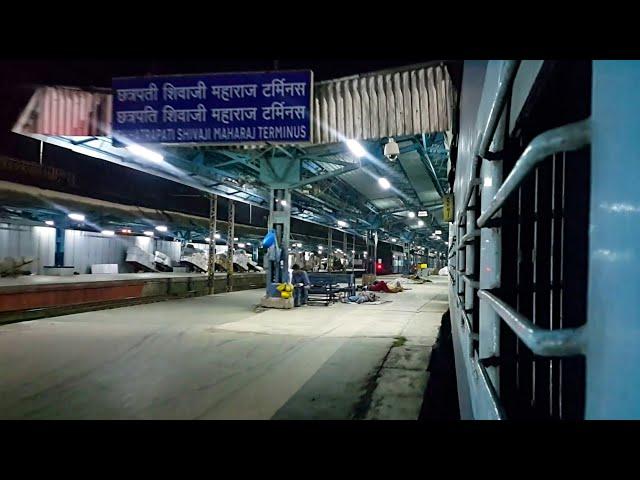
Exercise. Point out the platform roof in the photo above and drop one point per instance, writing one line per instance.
(414, 105)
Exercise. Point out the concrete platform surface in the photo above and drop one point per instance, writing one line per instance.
(216, 357)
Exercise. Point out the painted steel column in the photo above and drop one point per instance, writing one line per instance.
(59, 252)
(353, 255)
(280, 223)
(372, 251)
(405, 257)
(329, 250)
(230, 236)
(613, 308)
(491, 257)
(213, 218)
(345, 247)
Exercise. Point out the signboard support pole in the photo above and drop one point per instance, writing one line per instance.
(213, 217)
(280, 223)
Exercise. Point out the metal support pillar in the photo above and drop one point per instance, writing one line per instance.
(345, 247)
(59, 253)
(353, 255)
(213, 217)
(280, 223)
(405, 259)
(230, 235)
(372, 251)
(330, 250)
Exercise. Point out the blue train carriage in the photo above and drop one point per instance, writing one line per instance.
(543, 258)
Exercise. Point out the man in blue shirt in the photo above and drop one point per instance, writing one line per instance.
(300, 281)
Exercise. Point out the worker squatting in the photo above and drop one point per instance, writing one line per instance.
(168, 135)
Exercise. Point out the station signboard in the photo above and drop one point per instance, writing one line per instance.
(447, 210)
(219, 108)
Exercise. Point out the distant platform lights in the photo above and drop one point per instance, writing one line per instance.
(78, 217)
(343, 224)
(161, 228)
(411, 214)
(148, 233)
(51, 223)
(108, 233)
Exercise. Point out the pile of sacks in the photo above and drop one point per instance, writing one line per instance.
(285, 289)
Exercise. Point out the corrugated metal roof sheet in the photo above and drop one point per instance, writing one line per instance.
(407, 102)
(66, 111)
(377, 105)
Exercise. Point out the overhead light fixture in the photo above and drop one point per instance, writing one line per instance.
(241, 245)
(235, 239)
(420, 223)
(161, 228)
(411, 215)
(207, 239)
(438, 232)
(423, 213)
(320, 247)
(216, 236)
(353, 251)
(283, 203)
(51, 223)
(76, 216)
(384, 183)
(125, 230)
(148, 233)
(356, 148)
(248, 243)
(342, 223)
(487, 181)
(108, 233)
(394, 240)
(145, 153)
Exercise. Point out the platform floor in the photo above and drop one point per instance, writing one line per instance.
(211, 357)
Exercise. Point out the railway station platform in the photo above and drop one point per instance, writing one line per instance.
(38, 296)
(222, 357)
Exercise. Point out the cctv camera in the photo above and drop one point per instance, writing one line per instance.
(391, 150)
